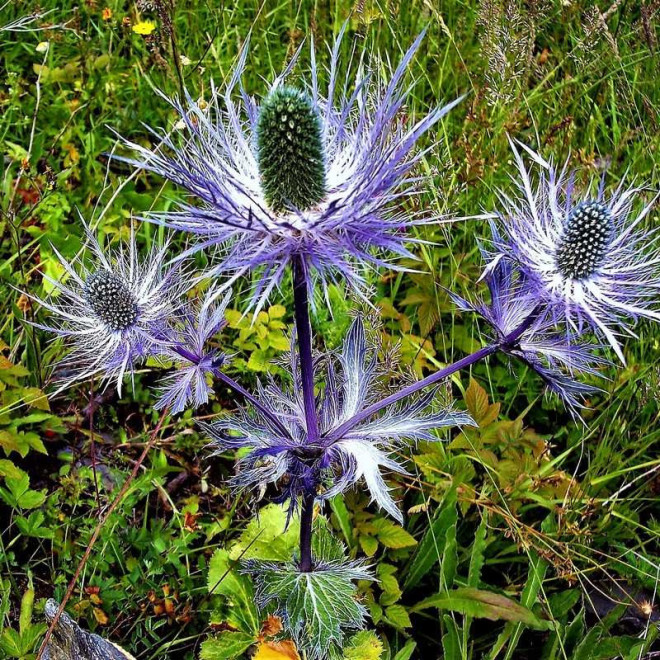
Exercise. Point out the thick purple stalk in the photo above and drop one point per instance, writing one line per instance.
(306, 522)
(467, 361)
(304, 337)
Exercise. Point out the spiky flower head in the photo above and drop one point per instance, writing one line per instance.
(281, 453)
(523, 331)
(290, 150)
(195, 359)
(113, 310)
(584, 255)
(301, 174)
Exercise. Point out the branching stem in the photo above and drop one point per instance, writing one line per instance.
(507, 341)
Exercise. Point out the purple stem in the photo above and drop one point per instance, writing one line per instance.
(304, 337)
(505, 342)
(269, 414)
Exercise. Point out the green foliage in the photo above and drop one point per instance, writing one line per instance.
(22, 642)
(319, 606)
(263, 337)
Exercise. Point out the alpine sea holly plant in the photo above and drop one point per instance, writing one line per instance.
(314, 184)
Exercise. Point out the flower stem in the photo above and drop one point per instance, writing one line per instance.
(304, 337)
(269, 414)
(306, 521)
(505, 342)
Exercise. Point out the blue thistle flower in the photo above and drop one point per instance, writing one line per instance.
(194, 359)
(553, 356)
(300, 176)
(281, 452)
(584, 255)
(112, 312)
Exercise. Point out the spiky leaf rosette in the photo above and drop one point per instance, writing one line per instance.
(320, 607)
(290, 150)
(281, 453)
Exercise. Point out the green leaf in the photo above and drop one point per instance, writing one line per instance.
(484, 605)
(392, 535)
(430, 548)
(32, 526)
(476, 400)
(368, 544)
(365, 645)
(320, 606)
(449, 559)
(451, 644)
(258, 360)
(406, 652)
(267, 536)
(398, 616)
(19, 495)
(477, 555)
(226, 645)
(224, 579)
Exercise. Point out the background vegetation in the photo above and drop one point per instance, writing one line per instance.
(559, 517)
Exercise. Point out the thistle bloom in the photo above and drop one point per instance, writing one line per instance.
(584, 255)
(194, 359)
(301, 175)
(281, 453)
(113, 312)
(514, 310)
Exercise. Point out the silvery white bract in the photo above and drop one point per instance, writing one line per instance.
(114, 311)
(586, 256)
(281, 454)
(243, 162)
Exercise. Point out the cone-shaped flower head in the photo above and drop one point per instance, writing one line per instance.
(280, 450)
(290, 150)
(585, 257)
(301, 174)
(113, 311)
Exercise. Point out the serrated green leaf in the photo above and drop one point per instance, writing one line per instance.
(451, 644)
(368, 544)
(224, 579)
(398, 616)
(430, 548)
(226, 646)
(392, 535)
(484, 605)
(320, 606)
(267, 536)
